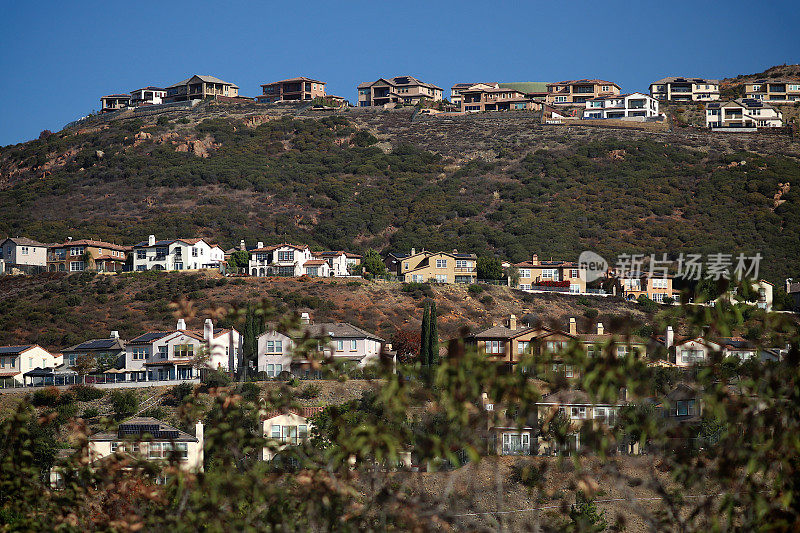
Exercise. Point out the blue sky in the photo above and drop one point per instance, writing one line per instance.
(58, 58)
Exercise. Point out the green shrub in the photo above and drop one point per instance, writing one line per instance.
(47, 397)
(155, 412)
(91, 412)
(249, 391)
(487, 300)
(309, 391)
(475, 289)
(215, 378)
(591, 314)
(180, 391)
(85, 393)
(124, 403)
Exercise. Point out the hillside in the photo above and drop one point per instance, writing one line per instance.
(493, 185)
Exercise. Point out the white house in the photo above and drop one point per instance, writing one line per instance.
(339, 262)
(285, 260)
(23, 251)
(291, 428)
(176, 254)
(743, 113)
(169, 355)
(621, 106)
(345, 343)
(15, 361)
(148, 96)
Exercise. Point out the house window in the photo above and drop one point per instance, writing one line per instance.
(274, 346)
(441, 263)
(555, 346)
(605, 88)
(524, 272)
(285, 255)
(194, 251)
(516, 443)
(163, 352)
(24, 250)
(114, 447)
(353, 345)
(623, 351)
(441, 278)
(183, 351)
(573, 273)
(141, 254)
(75, 251)
(691, 356)
(495, 347)
(561, 99)
(76, 266)
(405, 265)
(156, 450)
(685, 408)
(139, 353)
(523, 347)
(658, 297)
(276, 431)
(461, 263)
(577, 413)
(339, 346)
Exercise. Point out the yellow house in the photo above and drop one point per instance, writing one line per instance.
(551, 276)
(439, 267)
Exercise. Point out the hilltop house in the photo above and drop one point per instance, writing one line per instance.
(345, 342)
(406, 90)
(599, 342)
(551, 276)
(16, 361)
(492, 97)
(440, 267)
(114, 102)
(169, 355)
(15, 251)
(284, 429)
(339, 262)
(291, 90)
(176, 254)
(455, 90)
(200, 87)
(690, 351)
(655, 288)
(572, 92)
(621, 106)
(773, 90)
(743, 113)
(85, 254)
(679, 89)
(286, 260)
(148, 96)
(111, 350)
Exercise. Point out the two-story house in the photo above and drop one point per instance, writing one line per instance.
(600, 342)
(743, 113)
(16, 361)
(182, 353)
(86, 254)
(16, 251)
(339, 341)
(773, 90)
(114, 102)
(655, 288)
(200, 87)
(439, 267)
(110, 351)
(571, 92)
(291, 90)
(455, 90)
(340, 263)
(551, 276)
(406, 90)
(148, 96)
(285, 429)
(176, 254)
(287, 260)
(483, 97)
(680, 89)
(621, 106)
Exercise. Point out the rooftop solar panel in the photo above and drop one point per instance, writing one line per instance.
(13, 349)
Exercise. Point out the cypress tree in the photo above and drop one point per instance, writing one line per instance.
(249, 343)
(424, 335)
(433, 336)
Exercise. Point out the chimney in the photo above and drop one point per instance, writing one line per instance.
(151, 240)
(115, 334)
(208, 330)
(242, 246)
(69, 239)
(260, 244)
(181, 325)
(512, 321)
(535, 258)
(305, 318)
(455, 251)
(413, 251)
(600, 328)
(669, 338)
(198, 433)
(573, 327)
(788, 285)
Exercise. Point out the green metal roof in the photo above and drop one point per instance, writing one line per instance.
(526, 86)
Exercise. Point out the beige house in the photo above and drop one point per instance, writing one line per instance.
(86, 254)
(654, 287)
(743, 113)
(551, 276)
(492, 97)
(599, 343)
(114, 102)
(15, 361)
(151, 439)
(439, 267)
(573, 92)
(148, 96)
(200, 87)
(285, 429)
(455, 90)
(774, 90)
(679, 89)
(291, 90)
(405, 90)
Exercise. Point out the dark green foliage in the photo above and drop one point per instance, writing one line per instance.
(373, 264)
(124, 403)
(86, 393)
(433, 336)
(249, 391)
(47, 397)
(475, 289)
(214, 378)
(239, 260)
(253, 327)
(648, 305)
(425, 347)
(90, 412)
(591, 314)
(490, 268)
(157, 412)
(585, 516)
(309, 392)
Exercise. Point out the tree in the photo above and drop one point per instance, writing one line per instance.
(513, 275)
(584, 515)
(489, 268)
(239, 260)
(253, 327)
(373, 263)
(84, 364)
(433, 336)
(408, 344)
(424, 352)
(124, 403)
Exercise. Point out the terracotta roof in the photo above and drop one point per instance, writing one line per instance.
(571, 397)
(315, 262)
(276, 246)
(583, 81)
(8, 374)
(90, 242)
(678, 79)
(300, 78)
(610, 337)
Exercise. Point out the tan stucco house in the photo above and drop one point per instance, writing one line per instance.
(86, 254)
(406, 90)
(439, 267)
(680, 89)
(571, 92)
(291, 90)
(200, 87)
